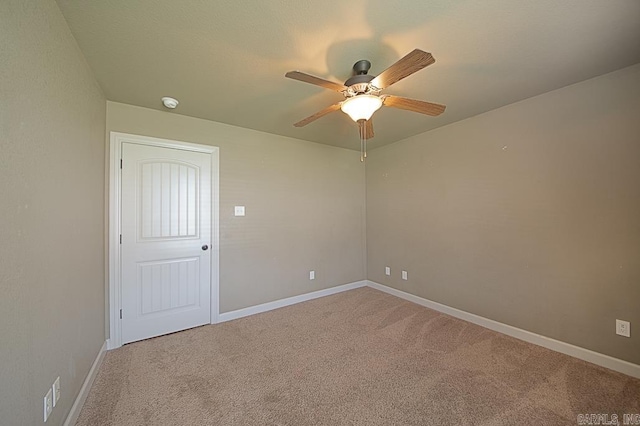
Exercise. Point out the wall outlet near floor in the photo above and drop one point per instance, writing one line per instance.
(405, 275)
(623, 328)
(312, 275)
(48, 404)
(56, 391)
(387, 270)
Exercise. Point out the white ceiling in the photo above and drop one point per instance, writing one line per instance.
(225, 60)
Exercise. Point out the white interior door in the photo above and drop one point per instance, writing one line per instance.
(166, 238)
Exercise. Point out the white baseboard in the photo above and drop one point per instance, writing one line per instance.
(597, 358)
(86, 387)
(252, 310)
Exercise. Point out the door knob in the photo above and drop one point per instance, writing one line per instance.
(204, 247)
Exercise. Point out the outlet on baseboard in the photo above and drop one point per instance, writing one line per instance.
(623, 328)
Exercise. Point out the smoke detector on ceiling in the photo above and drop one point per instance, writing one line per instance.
(170, 103)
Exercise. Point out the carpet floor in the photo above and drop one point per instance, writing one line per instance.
(361, 357)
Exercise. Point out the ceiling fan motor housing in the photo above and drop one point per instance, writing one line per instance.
(359, 83)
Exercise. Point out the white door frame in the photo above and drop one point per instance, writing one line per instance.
(115, 278)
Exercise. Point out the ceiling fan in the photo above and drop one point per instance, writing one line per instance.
(362, 92)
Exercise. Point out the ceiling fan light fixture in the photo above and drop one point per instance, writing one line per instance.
(361, 107)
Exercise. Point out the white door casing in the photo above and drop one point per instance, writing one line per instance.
(166, 202)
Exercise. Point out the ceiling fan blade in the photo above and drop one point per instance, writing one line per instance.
(307, 78)
(365, 128)
(412, 62)
(317, 115)
(422, 107)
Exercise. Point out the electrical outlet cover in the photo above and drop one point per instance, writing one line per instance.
(623, 328)
(56, 391)
(48, 404)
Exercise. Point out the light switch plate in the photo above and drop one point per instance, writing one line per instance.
(239, 210)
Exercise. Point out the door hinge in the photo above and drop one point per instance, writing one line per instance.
(121, 163)
(120, 238)
(120, 313)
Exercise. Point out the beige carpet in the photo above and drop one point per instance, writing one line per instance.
(361, 357)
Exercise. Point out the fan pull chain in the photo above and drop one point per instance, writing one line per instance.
(365, 142)
(361, 129)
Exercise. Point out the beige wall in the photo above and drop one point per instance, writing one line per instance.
(52, 121)
(304, 206)
(528, 214)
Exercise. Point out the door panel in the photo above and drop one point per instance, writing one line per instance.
(168, 200)
(168, 284)
(166, 221)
